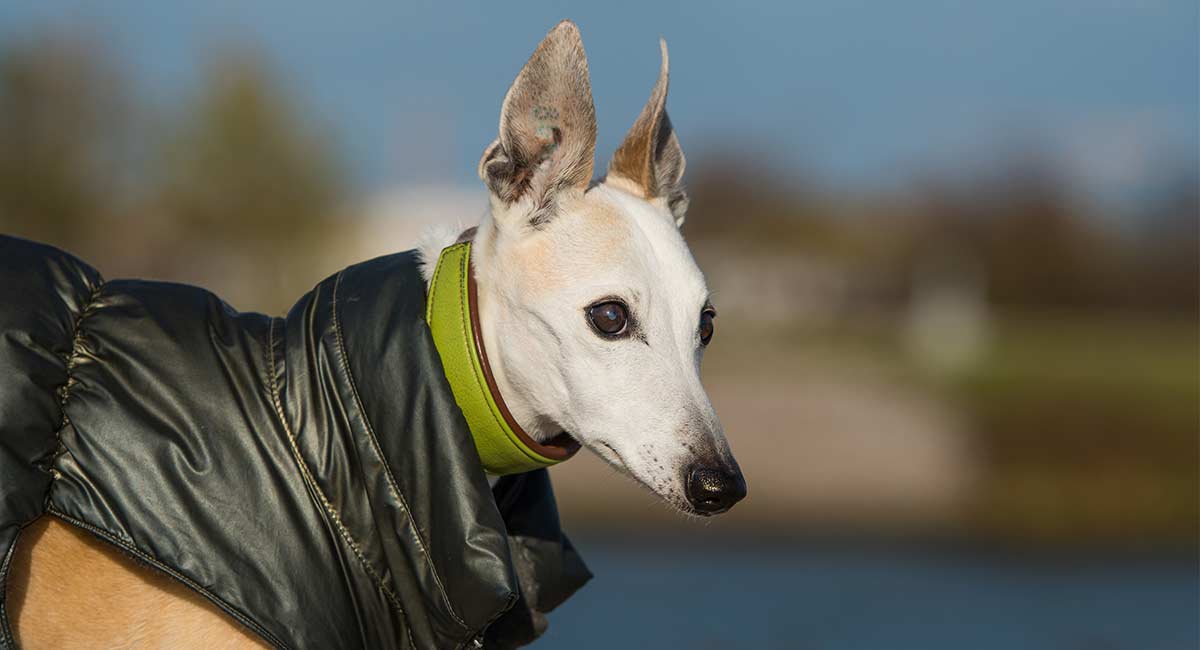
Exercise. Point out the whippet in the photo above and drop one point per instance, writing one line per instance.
(590, 302)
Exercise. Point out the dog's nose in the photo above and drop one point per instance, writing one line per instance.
(713, 491)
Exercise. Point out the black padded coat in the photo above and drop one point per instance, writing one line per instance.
(310, 475)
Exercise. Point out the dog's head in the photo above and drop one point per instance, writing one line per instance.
(593, 309)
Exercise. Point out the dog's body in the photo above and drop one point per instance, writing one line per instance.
(596, 315)
(72, 590)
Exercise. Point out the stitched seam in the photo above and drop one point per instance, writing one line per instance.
(510, 600)
(7, 637)
(64, 391)
(125, 543)
(312, 483)
(374, 440)
(63, 394)
(5, 626)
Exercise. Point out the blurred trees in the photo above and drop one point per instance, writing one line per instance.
(63, 135)
(234, 190)
(1167, 253)
(240, 151)
(1039, 247)
(247, 180)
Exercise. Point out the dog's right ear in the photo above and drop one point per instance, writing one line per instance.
(547, 129)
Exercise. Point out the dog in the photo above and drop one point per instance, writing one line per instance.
(589, 301)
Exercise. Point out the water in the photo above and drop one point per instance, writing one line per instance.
(672, 596)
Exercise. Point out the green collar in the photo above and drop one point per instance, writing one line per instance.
(453, 318)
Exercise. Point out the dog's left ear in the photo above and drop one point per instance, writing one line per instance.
(547, 137)
(650, 157)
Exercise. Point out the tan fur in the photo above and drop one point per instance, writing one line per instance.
(69, 589)
(650, 159)
(536, 259)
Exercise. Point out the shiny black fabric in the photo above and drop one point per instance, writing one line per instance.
(312, 476)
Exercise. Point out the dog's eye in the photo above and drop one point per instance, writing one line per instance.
(706, 325)
(609, 318)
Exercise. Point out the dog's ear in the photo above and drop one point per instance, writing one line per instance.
(650, 157)
(547, 128)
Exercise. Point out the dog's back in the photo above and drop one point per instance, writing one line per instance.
(139, 415)
(64, 587)
(238, 454)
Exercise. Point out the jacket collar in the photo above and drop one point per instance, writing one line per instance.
(452, 314)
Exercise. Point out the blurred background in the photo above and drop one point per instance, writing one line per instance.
(954, 247)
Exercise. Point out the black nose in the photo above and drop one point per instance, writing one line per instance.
(713, 491)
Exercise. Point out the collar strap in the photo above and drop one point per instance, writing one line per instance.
(452, 313)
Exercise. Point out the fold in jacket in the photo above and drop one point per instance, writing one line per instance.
(310, 475)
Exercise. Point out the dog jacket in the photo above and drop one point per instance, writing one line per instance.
(311, 475)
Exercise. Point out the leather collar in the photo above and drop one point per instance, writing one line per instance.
(451, 310)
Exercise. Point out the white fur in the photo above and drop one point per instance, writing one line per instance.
(550, 246)
(639, 405)
(430, 246)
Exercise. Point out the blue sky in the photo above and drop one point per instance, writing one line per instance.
(856, 93)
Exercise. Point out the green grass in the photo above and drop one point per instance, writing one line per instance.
(1088, 426)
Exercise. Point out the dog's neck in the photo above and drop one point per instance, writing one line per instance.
(522, 408)
(521, 399)
(517, 398)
